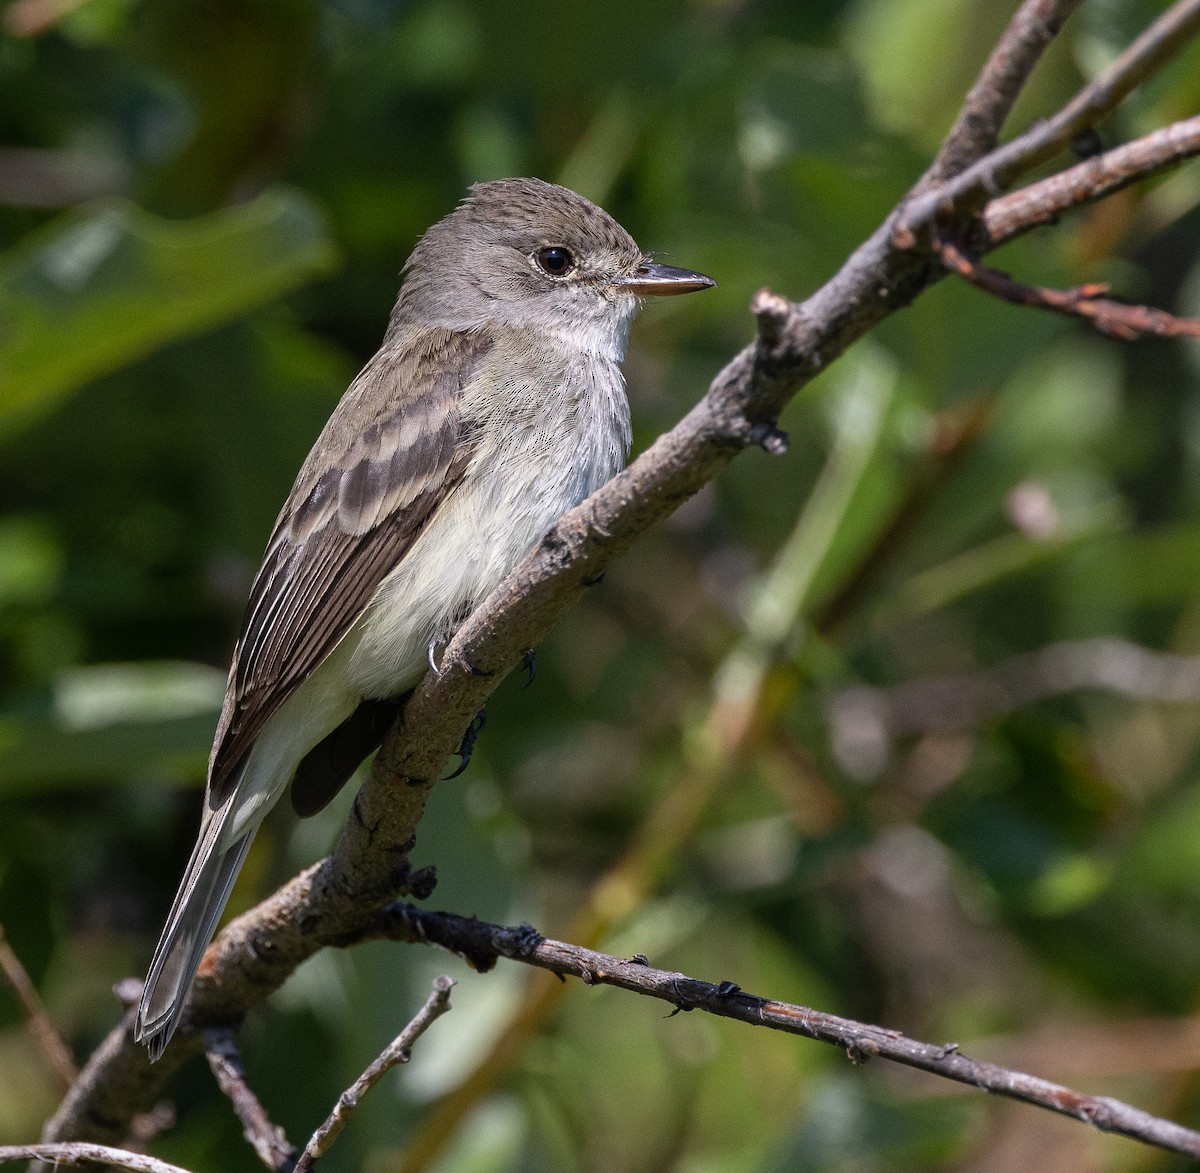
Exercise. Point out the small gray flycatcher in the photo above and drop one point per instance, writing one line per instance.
(495, 404)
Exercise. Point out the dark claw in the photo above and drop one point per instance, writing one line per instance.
(593, 580)
(727, 989)
(481, 672)
(677, 990)
(529, 662)
(467, 746)
(639, 959)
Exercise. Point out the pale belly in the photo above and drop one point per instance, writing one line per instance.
(476, 536)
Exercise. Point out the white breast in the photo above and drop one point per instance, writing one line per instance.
(551, 426)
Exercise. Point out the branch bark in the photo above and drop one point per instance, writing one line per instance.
(481, 944)
(1043, 202)
(1114, 318)
(75, 1153)
(399, 1050)
(971, 188)
(266, 1139)
(990, 100)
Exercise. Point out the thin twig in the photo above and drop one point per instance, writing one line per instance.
(1114, 318)
(481, 943)
(399, 1050)
(969, 699)
(81, 1153)
(41, 1026)
(995, 172)
(1003, 77)
(268, 1140)
(1042, 202)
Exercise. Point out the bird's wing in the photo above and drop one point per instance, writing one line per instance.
(391, 453)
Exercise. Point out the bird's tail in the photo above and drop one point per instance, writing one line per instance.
(190, 925)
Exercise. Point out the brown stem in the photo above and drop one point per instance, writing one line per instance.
(41, 1026)
(1114, 318)
(990, 100)
(992, 174)
(267, 1140)
(481, 943)
(73, 1153)
(1042, 202)
(399, 1050)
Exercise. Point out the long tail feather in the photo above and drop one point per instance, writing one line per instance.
(190, 926)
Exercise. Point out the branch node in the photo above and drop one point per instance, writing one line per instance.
(769, 438)
(862, 1052)
(773, 312)
(422, 882)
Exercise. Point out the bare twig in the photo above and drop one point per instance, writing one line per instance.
(399, 1050)
(1114, 318)
(40, 1024)
(1042, 202)
(967, 700)
(266, 1139)
(968, 190)
(990, 99)
(80, 1153)
(481, 943)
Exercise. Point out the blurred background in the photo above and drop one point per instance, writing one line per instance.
(883, 726)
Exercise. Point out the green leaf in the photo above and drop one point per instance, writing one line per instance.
(41, 756)
(100, 288)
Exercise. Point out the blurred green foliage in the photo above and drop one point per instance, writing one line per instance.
(204, 208)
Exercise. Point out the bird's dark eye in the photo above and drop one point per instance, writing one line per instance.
(555, 260)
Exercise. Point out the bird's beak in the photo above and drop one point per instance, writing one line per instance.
(654, 280)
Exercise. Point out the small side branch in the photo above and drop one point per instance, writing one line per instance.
(481, 942)
(969, 700)
(1114, 318)
(992, 174)
(1043, 202)
(268, 1140)
(1000, 82)
(399, 1050)
(40, 1024)
(73, 1153)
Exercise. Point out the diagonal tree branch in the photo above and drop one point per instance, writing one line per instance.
(1114, 318)
(57, 1053)
(267, 1140)
(990, 100)
(399, 1050)
(988, 177)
